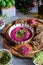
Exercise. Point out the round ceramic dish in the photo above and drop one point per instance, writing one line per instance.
(24, 26)
(10, 62)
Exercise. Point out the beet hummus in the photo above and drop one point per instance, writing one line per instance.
(20, 34)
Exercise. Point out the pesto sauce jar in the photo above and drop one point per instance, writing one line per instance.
(5, 57)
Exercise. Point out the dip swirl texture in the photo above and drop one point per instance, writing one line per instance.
(20, 34)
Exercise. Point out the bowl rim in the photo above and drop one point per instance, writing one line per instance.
(9, 53)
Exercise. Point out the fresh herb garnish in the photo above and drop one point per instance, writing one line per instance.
(21, 33)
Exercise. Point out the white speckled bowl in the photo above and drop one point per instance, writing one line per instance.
(21, 25)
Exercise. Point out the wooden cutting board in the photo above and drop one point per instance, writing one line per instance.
(14, 49)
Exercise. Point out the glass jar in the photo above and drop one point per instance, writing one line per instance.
(40, 9)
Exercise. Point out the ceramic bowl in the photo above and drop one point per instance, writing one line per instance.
(10, 62)
(21, 25)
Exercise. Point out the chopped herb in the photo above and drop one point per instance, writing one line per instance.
(21, 33)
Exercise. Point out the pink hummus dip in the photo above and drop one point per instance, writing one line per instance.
(20, 34)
